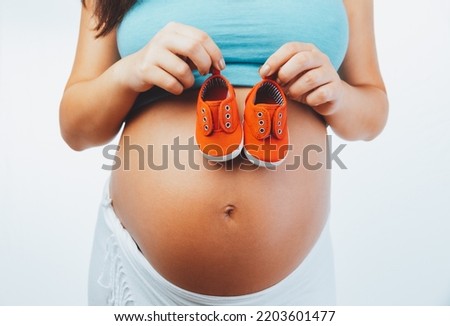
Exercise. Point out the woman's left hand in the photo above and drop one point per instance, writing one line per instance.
(306, 75)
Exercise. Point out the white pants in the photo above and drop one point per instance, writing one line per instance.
(120, 275)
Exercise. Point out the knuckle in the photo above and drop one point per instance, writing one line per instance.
(309, 100)
(310, 78)
(203, 36)
(193, 47)
(174, 86)
(322, 95)
(183, 70)
(311, 46)
(190, 82)
(302, 58)
(282, 76)
(295, 93)
(144, 68)
(205, 66)
(322, 56)
(171, 25)
(160, 39)
(291, 46)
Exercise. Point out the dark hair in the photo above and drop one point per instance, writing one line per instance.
(109, 13)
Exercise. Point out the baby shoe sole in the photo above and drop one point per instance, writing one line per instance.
(227, 157)
(260, 163)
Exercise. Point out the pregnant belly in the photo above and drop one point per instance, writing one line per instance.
(218, 229)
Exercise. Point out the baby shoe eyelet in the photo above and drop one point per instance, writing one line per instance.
(206, 127)
(259, 114)
(280, 131)
(279, 123)
(205, 119)
(227, 116)
(261, 122)
(262, 130)
(280, 115)
(228, 125)
(203, 110)
(227, 108)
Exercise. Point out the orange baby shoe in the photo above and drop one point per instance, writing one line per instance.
(219, 128)
(266, 137)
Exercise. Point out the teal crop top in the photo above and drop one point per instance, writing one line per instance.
(246, 31)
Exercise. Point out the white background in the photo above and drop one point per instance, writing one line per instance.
(390, 209)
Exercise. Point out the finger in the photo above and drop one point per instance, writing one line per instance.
(298, 64)
(321, 95)
(308, 82)
(177, 67)
(282, 55)
(207, 42)
(164, 80)
(189, 48)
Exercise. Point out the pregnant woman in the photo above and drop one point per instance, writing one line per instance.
(198, 231)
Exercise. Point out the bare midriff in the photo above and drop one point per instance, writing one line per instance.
(212, 228)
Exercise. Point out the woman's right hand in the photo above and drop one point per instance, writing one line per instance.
(168, 59)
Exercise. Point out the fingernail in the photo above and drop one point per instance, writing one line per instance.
(222, 64)
(264, 70)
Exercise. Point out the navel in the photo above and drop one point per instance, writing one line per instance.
(229, 210)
